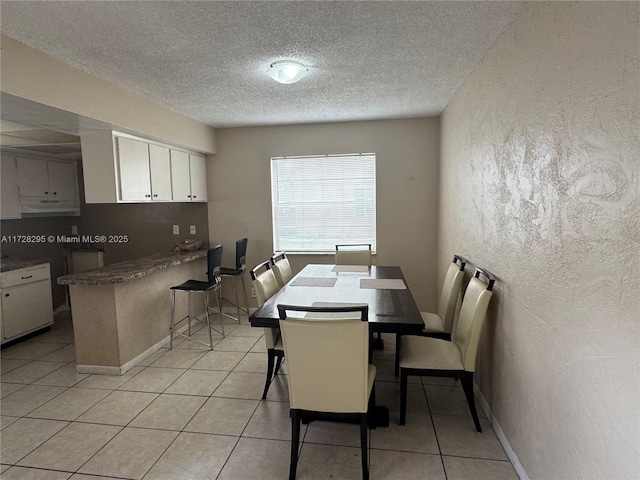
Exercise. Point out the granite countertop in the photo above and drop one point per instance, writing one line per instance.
(124, 271)
(7, 264)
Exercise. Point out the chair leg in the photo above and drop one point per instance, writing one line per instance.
(218, 293)
(206, 311)
(403, 396)
(278, 365)
(189, 312)
(235, 291)
(396, 369)
(295, 440)
(173, 318)
(363, 446)
(270, 360)
(244, 289)
(467, 386)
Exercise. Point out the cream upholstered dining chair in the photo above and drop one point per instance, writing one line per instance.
(328, 387)
(440, 324)
(428, 356)
(266, 284)
(353, 254)
(281, 268)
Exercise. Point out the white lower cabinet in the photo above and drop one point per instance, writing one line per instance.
(26, 303)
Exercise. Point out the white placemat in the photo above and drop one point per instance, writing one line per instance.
(350, 268)
(334, 314)
(383, 283)
(314, 282)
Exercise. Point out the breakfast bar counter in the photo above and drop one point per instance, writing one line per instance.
(121, 312)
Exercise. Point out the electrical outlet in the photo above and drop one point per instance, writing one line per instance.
(192, 229)
(74, 229)
(253, 293)
(176, 229)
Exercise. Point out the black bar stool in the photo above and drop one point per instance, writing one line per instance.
(241, 253)
(213, 284)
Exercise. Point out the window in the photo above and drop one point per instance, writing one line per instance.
(324, 200)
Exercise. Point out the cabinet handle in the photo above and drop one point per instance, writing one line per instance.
(194, 196)
(189, 196)
(6, 294)
(148, 196)
(55, 193)
(46, 193)
(24, 278)
(155, 195)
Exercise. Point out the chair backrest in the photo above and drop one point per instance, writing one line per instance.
(281, 268)
(214, 259)
(472, 314)
(264, 281)
(327, 359)
(241, 253)
(353, 254)
(451, 291)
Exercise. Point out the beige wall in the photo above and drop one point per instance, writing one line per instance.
(407, 190)
(540, 184)
(69, 89)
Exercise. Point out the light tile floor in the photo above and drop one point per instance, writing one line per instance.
(192, 413)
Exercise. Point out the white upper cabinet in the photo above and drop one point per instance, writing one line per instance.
(33, 177)
(188, 177)
(120, 168)
(62, 179)
(160, 166)
(198, 173)
(180, 177)
(133, 166)
(47, 186)
(10, 201)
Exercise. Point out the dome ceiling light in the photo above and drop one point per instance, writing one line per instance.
(287, 71)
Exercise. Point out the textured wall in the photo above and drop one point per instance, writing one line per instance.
(407, 190)
(540, 184)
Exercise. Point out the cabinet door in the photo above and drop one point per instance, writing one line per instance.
(133, 164)
(180, 182)
(198, 173)
(26, 307)
(33, 177)
(160, 167)
(62, 180)
(9, 202)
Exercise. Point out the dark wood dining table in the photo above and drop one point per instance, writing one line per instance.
(391, 310)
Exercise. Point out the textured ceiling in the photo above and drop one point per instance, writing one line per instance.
(207, 60)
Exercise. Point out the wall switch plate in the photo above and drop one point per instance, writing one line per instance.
(192, 229)
(176, 229)
(74, 229)
(253, 293)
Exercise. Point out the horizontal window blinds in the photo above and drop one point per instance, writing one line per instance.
(321, 201)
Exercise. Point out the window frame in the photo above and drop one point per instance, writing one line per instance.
(370, 204)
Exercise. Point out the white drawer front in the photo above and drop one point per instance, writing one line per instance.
(25, 275)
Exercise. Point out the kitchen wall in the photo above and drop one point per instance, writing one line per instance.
(540, 184)
(149, 228)
(407, 190)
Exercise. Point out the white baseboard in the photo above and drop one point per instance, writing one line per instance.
(513, 458)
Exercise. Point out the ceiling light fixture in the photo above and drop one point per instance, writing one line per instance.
(287, 71)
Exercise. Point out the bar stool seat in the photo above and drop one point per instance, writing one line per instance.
(214, 258)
